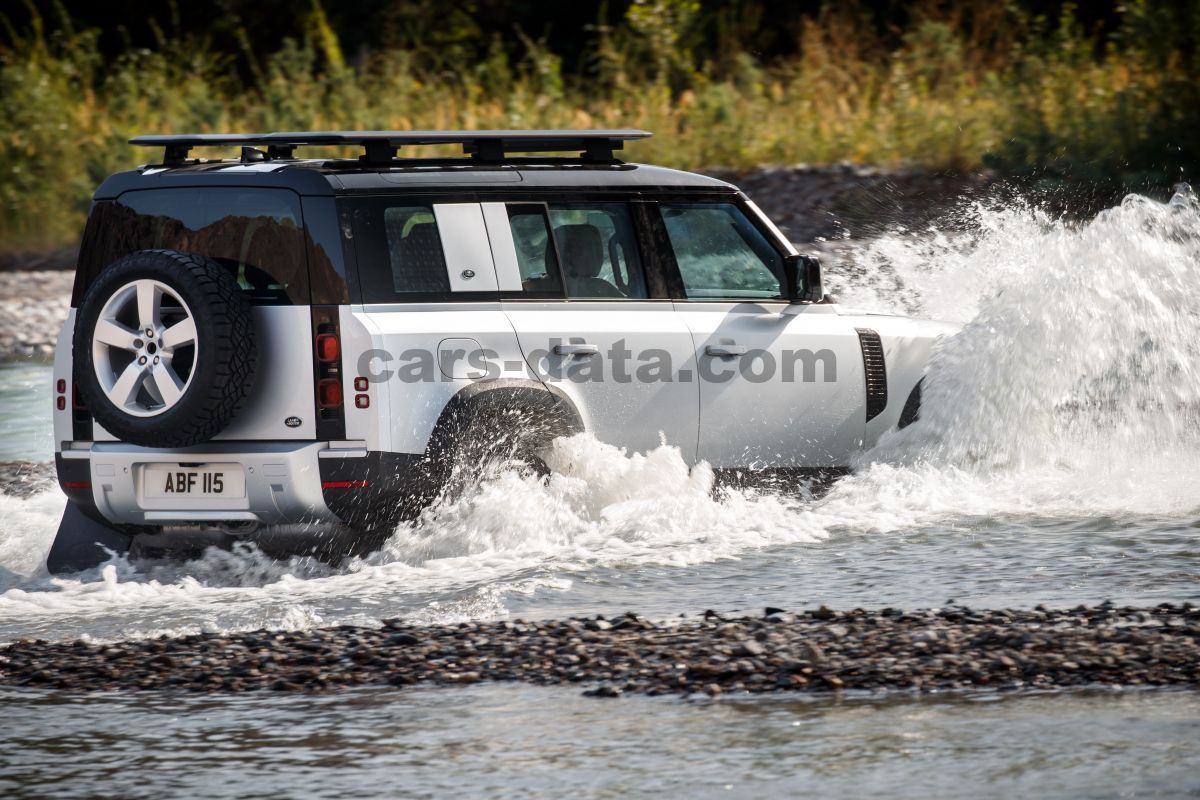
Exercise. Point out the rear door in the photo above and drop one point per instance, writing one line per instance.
(430, 309)
(594, 320)
(259, 234)
(781, 385)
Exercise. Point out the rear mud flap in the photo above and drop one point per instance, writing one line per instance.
(83, 543)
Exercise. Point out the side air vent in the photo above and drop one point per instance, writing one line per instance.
(875, 370)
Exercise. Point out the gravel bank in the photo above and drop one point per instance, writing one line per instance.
(952, 648)
(33, 307)
(811, 204)
(26, 478)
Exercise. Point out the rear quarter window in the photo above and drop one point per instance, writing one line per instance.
(257, 233)
(399, 248)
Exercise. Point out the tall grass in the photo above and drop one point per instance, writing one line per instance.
(962, 89)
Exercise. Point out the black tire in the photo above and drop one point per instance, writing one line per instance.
(485, 447)
(222, 375)
(491, 436)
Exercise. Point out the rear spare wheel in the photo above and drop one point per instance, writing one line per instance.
(164, 348)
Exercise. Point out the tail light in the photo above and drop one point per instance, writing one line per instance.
(327, 373)
(329, 393)
(329, 349)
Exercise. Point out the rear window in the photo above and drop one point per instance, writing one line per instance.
(257, 233)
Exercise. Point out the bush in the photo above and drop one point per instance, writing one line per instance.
(960, 86)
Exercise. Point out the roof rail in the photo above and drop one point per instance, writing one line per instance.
(380, 147)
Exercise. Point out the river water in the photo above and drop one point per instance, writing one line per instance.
(1056, 462)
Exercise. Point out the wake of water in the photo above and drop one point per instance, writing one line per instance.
(1070, 393)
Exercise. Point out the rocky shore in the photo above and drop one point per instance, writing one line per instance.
(813, 204)
(25, 478)
(33, 307)
(952, 648)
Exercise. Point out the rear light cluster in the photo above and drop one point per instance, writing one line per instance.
(81, 418)
(329, 349)
(361, 398)
(329, 394)
(327, 369)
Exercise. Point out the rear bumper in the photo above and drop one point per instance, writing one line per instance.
(372, 489)
(286, 483)
(283, 483)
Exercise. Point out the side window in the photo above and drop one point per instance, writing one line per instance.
(399, 251)
(721, 255)
(257, 233)
(537, 258)
(415, 257)
(598, 249)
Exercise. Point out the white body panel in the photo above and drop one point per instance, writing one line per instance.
(358, 338)
(465, 245)
(283, 386)
(907, 345)
(63, 429)
(407, 374)
(796, 420)
(504, 252)
(618, 408)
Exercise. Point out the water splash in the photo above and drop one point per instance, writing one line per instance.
(601, 508)
(1080, 352)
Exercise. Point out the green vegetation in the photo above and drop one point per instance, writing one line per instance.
(950, 87)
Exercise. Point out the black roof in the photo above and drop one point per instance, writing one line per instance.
(489, 165)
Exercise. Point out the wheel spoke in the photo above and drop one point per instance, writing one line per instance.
(180, 334)
(167, 385)
(149, 298)
(152, 389)
(115, 334)
(125, 390)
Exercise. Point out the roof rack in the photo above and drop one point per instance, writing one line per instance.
(380, 147)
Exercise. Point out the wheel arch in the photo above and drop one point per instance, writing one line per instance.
(396, 486)
(515, 401)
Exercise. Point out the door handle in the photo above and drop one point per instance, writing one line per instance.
(576, 350)
(725, 350)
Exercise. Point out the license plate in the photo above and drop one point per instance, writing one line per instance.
(167, 481)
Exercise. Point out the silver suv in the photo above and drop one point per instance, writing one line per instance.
(335, 342)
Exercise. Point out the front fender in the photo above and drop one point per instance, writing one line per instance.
(907, 347)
